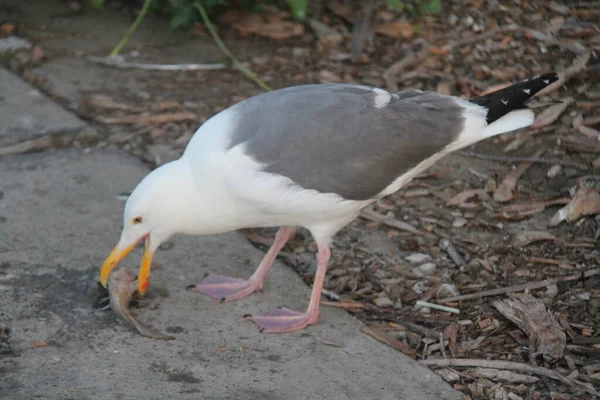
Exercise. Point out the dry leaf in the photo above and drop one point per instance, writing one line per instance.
(341, 10)
(327, 35)
(396, 29)
(578, 66)
(37, 54)
(326, 76)
(546, 336)
(273, 27)
(585, 202)
(465, 195)
(38, 343)
(495, 88)
(390, 341)
(504, 192)
(551, 114)
(248, 24)
(169, 105)
(524, 210)
(525, 238)
(447, 374)
(444, 88)
(438, 51)
(6, 29)
(586, 130)
(280, 30)
(581, 144)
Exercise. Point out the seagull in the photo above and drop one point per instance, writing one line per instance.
(310, 156)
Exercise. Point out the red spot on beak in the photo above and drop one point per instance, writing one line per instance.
(144, 285)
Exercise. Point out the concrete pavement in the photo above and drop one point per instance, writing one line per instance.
(60, 215)
(27, 114)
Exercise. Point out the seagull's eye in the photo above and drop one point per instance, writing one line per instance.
(137, 220)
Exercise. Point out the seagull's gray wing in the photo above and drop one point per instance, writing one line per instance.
(345, 139)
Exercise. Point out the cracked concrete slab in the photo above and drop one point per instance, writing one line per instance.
(60, 215)
(27, 114)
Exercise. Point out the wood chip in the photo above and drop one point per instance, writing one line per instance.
(585, 202)
(545, 334)
(390, 341)
(501, 375)
(509, 365)
(39, 343)
(448, 374)
(349, 305)
(526, 238)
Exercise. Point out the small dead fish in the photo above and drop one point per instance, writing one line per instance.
(121, 287)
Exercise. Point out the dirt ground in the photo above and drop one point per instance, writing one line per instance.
(478, 220)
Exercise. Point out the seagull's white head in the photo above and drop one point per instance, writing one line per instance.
(156, 209)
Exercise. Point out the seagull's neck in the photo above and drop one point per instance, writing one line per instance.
(195, 206)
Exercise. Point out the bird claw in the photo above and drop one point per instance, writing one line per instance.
(224, 288)
(283, 320)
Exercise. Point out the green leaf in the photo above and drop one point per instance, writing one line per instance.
(434, 7)
(298, 8)
(183, 17)
(251, 6)
(97, 3)
(157, 5)
(396, 4)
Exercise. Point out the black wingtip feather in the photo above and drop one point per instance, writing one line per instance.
(514, 97)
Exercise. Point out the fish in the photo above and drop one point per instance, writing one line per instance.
(122, 285)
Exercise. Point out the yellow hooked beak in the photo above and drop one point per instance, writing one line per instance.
(117, 255)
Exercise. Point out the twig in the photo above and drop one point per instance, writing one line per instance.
(119, 62)
(392, 222)
(521, 159)
(226, 51)
(132, 29)
(390, 75)
(360, 29)
(489, 34)
(586, 4)
(442, 346)
(509, 365)
(390, 341)
(47, 142)
(163, 118)
(522, 287)
(591, 121)
(438, 307)
(421, 330)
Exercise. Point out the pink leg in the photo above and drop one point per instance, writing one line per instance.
(286, 320)
(225, 288)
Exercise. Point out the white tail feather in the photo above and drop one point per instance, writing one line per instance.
(513, 120)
